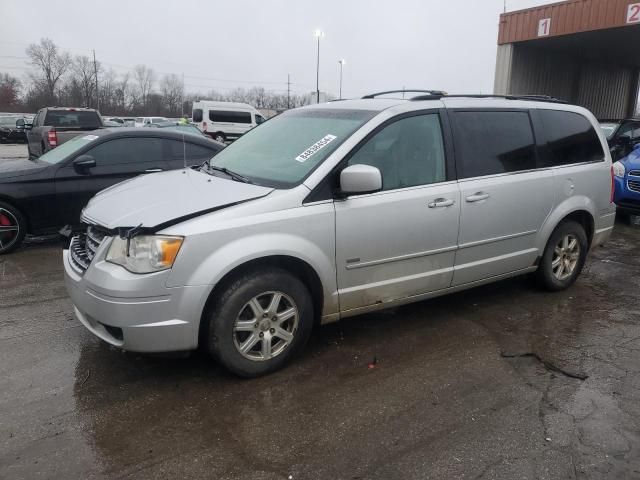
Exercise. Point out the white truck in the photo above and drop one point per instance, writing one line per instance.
(224, 121)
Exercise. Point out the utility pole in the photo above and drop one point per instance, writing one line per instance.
(182, 98)
(318, 34)
(288, 91)
(505, 6)
(95, 71)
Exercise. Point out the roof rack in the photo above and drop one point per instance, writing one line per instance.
(405, 90)
(532, 98)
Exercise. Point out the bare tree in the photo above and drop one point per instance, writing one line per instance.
(85, 74)
(172, 93)
(9, 92)
(144, 78)
(51, 64)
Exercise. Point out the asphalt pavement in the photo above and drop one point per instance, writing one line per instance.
(499, 382)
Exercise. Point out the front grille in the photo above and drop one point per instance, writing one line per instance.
(83, 247)
(633, 185)
(634, 173)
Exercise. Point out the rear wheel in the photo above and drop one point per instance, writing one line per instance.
(563, 257)
(12, 228)
(259, 322)
(219, 137)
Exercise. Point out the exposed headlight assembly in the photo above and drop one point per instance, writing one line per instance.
(618, 169)
(145, 253)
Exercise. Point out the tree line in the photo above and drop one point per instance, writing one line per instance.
(61, 79)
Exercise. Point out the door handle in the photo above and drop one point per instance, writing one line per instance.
(153, 170)
(441, 202)
(477, 197)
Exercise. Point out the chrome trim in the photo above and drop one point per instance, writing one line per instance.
(496, 239)
(633, 185)
(400, 258)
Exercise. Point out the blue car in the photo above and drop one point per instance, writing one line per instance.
(627, 182)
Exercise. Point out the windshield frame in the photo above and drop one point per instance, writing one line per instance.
(614, 128)
(368, 117)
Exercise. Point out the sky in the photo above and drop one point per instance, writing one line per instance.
(428, 44)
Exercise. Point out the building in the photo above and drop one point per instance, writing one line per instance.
(584, 51)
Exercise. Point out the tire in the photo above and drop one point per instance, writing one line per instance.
(219, 137)
(13, 228)
(563, 259)
(245, 303)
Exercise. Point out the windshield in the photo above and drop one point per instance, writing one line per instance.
(608, 128)
(58, 154)
(283, 151)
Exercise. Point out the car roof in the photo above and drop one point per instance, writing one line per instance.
(71, 109)
(132, 132)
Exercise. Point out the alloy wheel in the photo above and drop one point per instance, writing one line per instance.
(9, 229)
(565, 257)
(265, 326)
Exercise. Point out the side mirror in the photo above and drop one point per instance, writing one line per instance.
(28, 126)
(360, 179)
(84, 162)
(20, 123)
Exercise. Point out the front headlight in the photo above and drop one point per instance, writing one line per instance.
(146, 253)
(618, 169)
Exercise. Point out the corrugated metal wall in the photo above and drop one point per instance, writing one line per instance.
(609, 91)
(566, 17)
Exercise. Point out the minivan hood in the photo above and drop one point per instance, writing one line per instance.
(158, 200)
(19, 167)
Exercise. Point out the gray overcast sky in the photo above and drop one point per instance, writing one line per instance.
(440, 44)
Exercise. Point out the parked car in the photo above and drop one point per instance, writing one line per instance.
(12, 129)
(627, 182)
(112, 124)
(53, 126)
(622, 136)
(224, 121)
(333, 210)
(144, 121)
(40, 196)
(189, 128)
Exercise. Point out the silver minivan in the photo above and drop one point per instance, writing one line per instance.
(333, 210)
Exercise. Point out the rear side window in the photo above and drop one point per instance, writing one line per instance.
(72, 119)
(176, 151)
(197, 115)
(570, 138)
(490, 143)
(127, 151)
(229, 117)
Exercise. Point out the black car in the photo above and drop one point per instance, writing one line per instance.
(622, 136)
(12, 130)
(40, 196)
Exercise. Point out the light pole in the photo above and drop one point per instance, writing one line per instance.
(318, 34)
(342, 62)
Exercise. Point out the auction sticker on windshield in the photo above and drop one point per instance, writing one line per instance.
(315, 148)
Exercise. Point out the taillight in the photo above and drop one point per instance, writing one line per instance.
(613, 185)
(52, 138)
(204, 126)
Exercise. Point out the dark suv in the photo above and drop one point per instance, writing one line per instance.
(621, 135)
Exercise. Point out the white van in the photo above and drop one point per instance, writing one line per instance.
(224, 121)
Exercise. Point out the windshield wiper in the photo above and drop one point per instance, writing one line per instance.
(235, 176)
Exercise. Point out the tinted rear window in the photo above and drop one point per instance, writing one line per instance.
(72, 119)
(570, 138)
(229, 117)
(489, 143)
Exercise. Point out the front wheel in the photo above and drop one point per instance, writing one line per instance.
(563, 257)
(12, 228)
(259, 322)
(219, 137)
